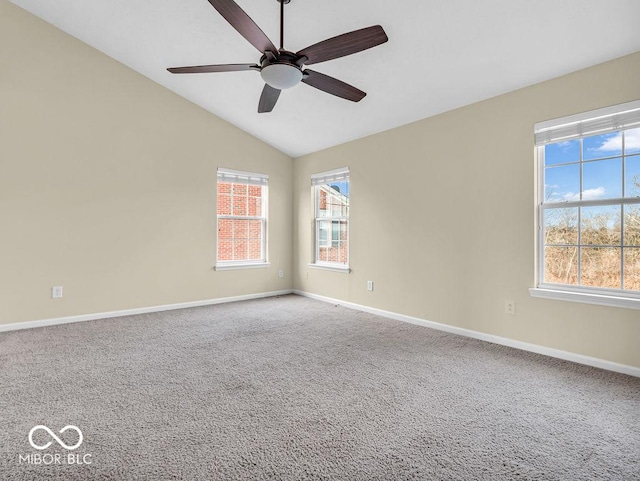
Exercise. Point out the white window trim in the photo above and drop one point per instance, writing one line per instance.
(563, 294)
(331, 266)
(336, 175)
(233, 265)
(248, 178)
(610, 119)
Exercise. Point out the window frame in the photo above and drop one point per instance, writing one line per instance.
(612, 119)
(317, 181)
(249, 179)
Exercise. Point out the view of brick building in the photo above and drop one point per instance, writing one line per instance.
(240, 222)
(332, 224)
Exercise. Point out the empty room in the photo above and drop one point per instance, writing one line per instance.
(320, 240)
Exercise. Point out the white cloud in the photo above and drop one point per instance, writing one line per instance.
(632, 139)
(611, 144)
(589, 194)
(592, 194)
(614, 142)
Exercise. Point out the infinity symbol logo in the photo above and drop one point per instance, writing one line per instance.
(58, 440)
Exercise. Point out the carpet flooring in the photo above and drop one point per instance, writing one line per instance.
(291, 388)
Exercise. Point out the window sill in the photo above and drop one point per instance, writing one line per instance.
(330, 267)
(609, 300)
(244, 265)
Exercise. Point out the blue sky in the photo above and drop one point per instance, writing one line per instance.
(602, 179)
(343, 186)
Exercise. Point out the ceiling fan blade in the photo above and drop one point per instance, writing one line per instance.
(243, 24)
(268, 99)
(230, 67)
(344, 44)
(332, 86)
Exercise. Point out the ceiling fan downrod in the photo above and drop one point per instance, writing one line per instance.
(282, 4)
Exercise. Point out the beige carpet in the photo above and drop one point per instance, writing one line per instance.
(294, 389)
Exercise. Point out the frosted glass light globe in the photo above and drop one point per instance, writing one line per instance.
(281, 75)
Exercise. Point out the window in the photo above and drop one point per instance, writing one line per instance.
(331, 198)
(589, 203)
(242, 219)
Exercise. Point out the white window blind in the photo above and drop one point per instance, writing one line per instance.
(338, 175)
(600, 121)
(239, 177)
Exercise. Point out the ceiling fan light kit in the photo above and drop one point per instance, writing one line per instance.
(281, 75)
(281, 69)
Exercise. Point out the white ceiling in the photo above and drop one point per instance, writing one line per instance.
(441, 54)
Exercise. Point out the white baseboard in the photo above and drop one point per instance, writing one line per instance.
(525, 346)
(140, 310)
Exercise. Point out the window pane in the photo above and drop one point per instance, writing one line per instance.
(255, 229)
(324, 227)
(562, 184)
(561, 226)
(562, 152)
(604, 145)
(323, 205)
(561, 265)
(224, 188)
(225, 227)
(632, 176)
(632, 269)
(240, 189)
(240, 229)
(255, 190)
(240, 249)
(335, 232)
(225, 250)
(602, 179)
(342, 187)
(323, 243)
(255, 206)
(240, 204)
(632, 141)
(600, 267)
(224, 204)
(632, 225)
(339, 204)
(255, 249)
(600, 225)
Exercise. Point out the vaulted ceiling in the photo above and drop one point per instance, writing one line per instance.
(441, 54)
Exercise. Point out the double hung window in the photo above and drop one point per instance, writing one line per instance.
(242, 219)
(331, 198)
(589, 202)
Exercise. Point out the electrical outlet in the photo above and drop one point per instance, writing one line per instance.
(370, 285)
(280, 273)
(56, 292)
(510, 307)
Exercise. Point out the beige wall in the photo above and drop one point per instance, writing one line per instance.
(107, 188)
(107, 184)
(456, 192)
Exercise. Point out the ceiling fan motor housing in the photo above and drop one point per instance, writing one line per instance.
(281, 71)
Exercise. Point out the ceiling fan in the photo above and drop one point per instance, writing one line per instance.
(282, 69)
